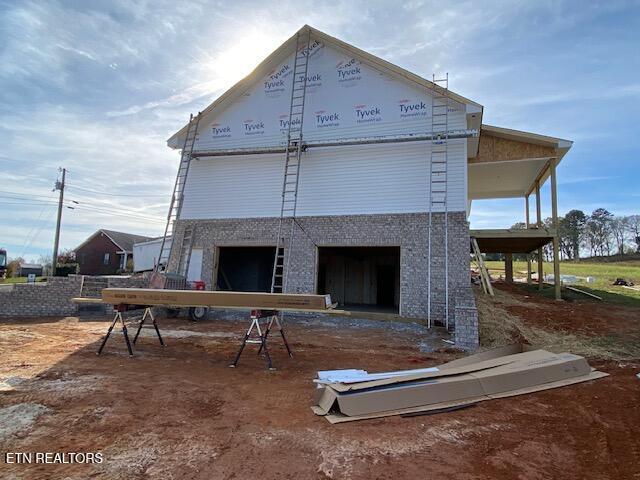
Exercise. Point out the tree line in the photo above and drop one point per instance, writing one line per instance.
(600, 234)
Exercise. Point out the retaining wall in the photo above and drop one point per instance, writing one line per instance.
(50, 298)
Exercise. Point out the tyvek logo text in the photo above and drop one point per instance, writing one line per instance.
(220, 131)
(253, 128)
(349, 71)
(275, 81)
(324, 119)
(368, 113)
(283, 122)
(409, 109)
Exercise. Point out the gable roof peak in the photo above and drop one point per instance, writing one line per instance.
(280, 52)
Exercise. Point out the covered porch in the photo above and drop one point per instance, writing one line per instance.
(516, 164)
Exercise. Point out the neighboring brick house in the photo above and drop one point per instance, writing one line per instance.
(106, 252)
(378, 194)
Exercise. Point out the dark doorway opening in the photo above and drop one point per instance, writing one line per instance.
(361, 278)
(245, 269)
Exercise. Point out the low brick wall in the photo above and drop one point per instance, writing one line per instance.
(466, 318)
(52, 297)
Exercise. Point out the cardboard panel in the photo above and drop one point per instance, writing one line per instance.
(538, 369)
(441, 372)
(512, 374)
(424, 392)
(340, 418)
(487, 355)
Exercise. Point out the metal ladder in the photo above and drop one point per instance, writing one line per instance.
(438, 180)
(178, 194)
(186, 247)
(292, 162)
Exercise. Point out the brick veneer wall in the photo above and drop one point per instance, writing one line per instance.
(52, 297)
(408, 231)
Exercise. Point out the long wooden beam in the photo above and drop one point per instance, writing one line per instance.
(220, 299)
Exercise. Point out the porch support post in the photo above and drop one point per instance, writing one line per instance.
(556, 242)
(526, 203)
(539, 225)
(508, 267)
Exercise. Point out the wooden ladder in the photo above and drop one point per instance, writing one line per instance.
(485, 279)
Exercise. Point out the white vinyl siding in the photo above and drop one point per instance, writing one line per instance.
(363, 179)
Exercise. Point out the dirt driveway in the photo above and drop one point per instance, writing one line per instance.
(181, 413)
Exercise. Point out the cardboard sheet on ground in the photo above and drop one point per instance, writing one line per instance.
(503, 372)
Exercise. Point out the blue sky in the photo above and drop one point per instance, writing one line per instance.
(99, 86)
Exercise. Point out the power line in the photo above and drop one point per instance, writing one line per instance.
(35, 203)
(86, 206)
(115, 214)
(103, 203)
(44, 225)
(21, 194)
(116, 194)
(111, 207)
(30, 238)
(26, 199)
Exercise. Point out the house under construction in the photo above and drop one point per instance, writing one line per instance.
(330, 170)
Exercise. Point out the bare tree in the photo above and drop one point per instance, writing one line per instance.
(13, 266)
(633, 227)
(619, 227)
(599, 232)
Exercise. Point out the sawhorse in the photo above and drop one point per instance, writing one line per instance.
(261, 339)
(118, 317)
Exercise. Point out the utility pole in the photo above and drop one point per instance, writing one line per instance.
(59, 186)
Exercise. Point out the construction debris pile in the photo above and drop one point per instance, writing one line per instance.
(347, 395)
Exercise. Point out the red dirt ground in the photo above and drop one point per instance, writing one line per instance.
(587, 317)
(180, 412)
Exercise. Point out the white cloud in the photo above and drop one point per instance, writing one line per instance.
(566, 180)
(99, 88)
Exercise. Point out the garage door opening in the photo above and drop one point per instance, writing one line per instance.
(245, 269)
(361, 278)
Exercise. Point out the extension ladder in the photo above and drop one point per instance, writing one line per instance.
(292, 162)
(438, 181)
(178, 196)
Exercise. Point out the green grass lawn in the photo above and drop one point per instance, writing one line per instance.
(604, 273)
(20, 280)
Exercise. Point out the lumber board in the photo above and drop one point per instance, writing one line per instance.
(573, 289)
(222, 299)
(637, 289)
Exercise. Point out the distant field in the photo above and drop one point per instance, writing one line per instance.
(605, 273)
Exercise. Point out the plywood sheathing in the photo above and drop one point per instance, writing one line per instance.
(496, 149)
